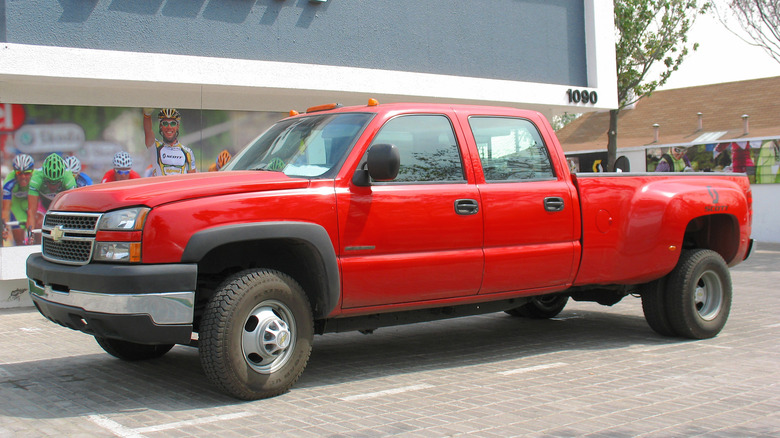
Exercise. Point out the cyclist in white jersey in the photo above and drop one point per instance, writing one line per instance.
(168, 156)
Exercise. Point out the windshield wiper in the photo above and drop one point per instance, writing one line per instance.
(264, 168)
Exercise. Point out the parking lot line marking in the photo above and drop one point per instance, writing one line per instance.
(533, 368)
(648, 348)
(386, 392)
(204, 420)
(39, 359)
(127, 432)
(773, 326)
(114, 427)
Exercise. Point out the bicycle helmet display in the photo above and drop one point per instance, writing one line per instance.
(53, 167)
(166, 115)
(122, 160)
(223, 158)
(169, 113)
(23, 162)
(73, 164)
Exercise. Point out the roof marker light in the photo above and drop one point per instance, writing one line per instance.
(325, 107)
(293, 113)
(373, 102)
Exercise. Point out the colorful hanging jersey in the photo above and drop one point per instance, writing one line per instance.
(175, 159)
(741, 160)
(768, 163)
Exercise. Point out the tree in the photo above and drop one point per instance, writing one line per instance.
(759, 18)
(558, 122)
(651, 34)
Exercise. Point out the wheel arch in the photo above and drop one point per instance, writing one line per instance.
(302, 250)
(695, 216)
(717, 232)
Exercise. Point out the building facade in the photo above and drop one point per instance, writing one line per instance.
(75, 74)
(276, 54)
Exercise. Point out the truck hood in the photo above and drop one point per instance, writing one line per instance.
(159, 190)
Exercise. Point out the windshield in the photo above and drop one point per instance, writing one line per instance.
(312, 146)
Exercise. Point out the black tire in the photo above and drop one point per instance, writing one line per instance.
(699, 294)
(543, 307)
(131, 351)
(256, 334)
(654, 307)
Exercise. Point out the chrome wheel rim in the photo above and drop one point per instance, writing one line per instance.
(268, 336)
(708, 296)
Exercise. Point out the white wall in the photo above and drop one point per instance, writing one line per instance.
(66, 76)
(13, 282)
(766, 212)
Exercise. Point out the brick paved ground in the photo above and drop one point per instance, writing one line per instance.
(593, 371)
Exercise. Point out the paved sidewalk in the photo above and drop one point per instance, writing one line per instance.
(594, 370)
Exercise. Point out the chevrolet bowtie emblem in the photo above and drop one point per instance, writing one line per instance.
(57, 233)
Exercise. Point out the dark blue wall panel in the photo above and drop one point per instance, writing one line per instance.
(523, 40)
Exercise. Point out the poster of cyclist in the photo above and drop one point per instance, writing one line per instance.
(45, 149)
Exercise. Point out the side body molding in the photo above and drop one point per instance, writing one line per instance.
(312, 235)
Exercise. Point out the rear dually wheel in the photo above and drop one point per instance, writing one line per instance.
(699, 294)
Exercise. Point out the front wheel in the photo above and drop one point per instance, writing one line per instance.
(699, 294)
(256, 334)
(543, 307)
(131, 351)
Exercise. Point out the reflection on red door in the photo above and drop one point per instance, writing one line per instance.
(405, 243)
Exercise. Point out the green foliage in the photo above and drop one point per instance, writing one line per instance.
(558, 122)
(650, 45)
(651, 34)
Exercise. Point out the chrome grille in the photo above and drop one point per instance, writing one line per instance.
(71, 251)
(72, 222)
(69, 237)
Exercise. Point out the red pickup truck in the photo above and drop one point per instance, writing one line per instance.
(354, 218)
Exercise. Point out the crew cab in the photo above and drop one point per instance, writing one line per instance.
(355, 218)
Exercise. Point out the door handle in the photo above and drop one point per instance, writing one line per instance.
(466, 206)
(553, 203)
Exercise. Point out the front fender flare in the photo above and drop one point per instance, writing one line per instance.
(314, 235)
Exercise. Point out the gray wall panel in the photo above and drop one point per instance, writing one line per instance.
(523, 40)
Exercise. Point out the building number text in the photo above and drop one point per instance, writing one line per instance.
(584, 96)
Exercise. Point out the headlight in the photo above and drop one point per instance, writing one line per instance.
(117, 252)
(113, 245)
(130, 219)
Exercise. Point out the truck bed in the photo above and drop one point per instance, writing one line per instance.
(634, 223)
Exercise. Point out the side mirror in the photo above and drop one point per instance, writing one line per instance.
(382, 164)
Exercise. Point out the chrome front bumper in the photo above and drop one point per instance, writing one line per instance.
(163, 308)
(147, 304)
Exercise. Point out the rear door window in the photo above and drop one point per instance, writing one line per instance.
(511, 149)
